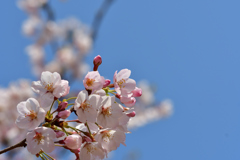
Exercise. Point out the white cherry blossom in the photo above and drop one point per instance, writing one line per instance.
(109, 113)
(87, 106)
(111, 139)
(92, 151)
(40, 139)
(49, 87)
(122, 83)
(31, 114)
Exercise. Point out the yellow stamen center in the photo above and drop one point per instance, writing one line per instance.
(106, 111)
(85, 106)
(89, 82)
(38, 137)
(90, 149)
(121, 82)
(32, 115)
(107, 136)
(49, 87)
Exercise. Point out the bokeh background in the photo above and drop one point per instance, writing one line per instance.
(188, 49)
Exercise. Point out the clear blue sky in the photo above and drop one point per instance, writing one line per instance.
(190, 49)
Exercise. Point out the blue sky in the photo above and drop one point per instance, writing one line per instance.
(189, 49)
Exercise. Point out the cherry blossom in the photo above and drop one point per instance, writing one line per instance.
(92, 151)
(111, 139)
(40, 138)
(86, 106)
(109, 113)
(93, 81)
(31, 114)
(122, 83)
(49, 87)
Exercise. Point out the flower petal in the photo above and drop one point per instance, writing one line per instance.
(46, 100)
(22, 109)
(123, 74)
(61, 89)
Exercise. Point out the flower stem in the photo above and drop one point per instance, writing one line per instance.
(71, 98)
(76, 120)
(43, 156)
(88, 129)
(59, 145)
(65, 131)
(70, 104)
(51, 107)
(48, 156)
(73, 128)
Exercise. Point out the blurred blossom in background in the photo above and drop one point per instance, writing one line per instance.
(184, 53)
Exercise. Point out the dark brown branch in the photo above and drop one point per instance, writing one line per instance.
(20, 144)
(99, 17)
(50, 14)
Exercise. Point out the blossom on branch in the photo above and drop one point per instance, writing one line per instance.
(87, 106)
(49, 87)
(40, 139)
(31, 114)
(93, 81)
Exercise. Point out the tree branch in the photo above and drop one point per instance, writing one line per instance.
(49, 11)
(99, 17)
(20, 144)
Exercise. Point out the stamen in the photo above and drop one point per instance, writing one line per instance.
(38, 137)
(89, 82)
(49, 87)
(32, 115)
(121, 82)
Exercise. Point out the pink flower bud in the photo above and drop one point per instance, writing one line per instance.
(106, 83)
(64, 114)
(73, 141)
(62, 106)
(137, 92)
(97, 60)
(59, 134)
(132, 114)
(128, 101)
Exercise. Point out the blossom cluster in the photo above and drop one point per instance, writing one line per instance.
(103, 111)
(69, 39)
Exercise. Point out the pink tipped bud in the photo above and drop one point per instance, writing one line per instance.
(137, 92)
(73, 141)
(62, 106)
(106, 83)
(97, 61)
(64, 114)
(132, 114)
(59, 134)
(128, 101)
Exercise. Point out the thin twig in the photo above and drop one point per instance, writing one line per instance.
(20, 144)
(50, 14)
(99, 17)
